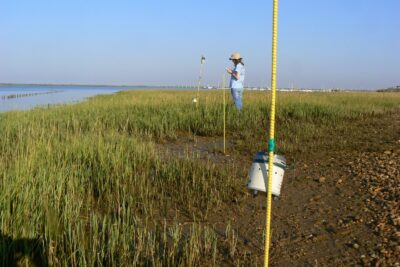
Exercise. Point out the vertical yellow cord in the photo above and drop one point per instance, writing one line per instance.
(271, 134)
(223, 95)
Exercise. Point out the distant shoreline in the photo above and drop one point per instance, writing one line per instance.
(390, 89)
(50, 84)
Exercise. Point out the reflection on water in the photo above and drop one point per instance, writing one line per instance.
(27, 97)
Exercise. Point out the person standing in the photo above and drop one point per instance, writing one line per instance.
(237, 79)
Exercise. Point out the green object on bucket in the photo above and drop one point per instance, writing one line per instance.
(271, 145)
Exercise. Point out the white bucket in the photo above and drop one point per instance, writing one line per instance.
(259, 173)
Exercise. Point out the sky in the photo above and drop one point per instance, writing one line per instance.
(321, 44)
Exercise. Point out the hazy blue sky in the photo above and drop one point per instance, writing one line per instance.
(322, 44)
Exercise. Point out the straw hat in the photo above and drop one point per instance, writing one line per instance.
(235, 55)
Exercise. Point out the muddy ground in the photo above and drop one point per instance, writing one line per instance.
(340, 200)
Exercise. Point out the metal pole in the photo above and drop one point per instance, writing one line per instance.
(202, 61)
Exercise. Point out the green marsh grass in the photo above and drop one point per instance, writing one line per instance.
(87, 183)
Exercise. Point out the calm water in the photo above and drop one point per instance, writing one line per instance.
(27, 97)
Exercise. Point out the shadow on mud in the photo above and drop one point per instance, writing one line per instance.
(14, 251)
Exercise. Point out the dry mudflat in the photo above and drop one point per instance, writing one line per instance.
(340, 200)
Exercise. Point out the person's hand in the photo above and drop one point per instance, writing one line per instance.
(229, 70)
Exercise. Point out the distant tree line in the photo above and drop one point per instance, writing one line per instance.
(390, 89)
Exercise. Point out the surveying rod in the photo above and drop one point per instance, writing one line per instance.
(271, 142)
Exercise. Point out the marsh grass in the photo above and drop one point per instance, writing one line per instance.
(87, 182)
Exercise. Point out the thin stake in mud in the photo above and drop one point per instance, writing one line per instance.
(202, 61)
(224, 108)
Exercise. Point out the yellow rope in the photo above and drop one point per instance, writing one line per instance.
(271, 133)
(223, 93)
